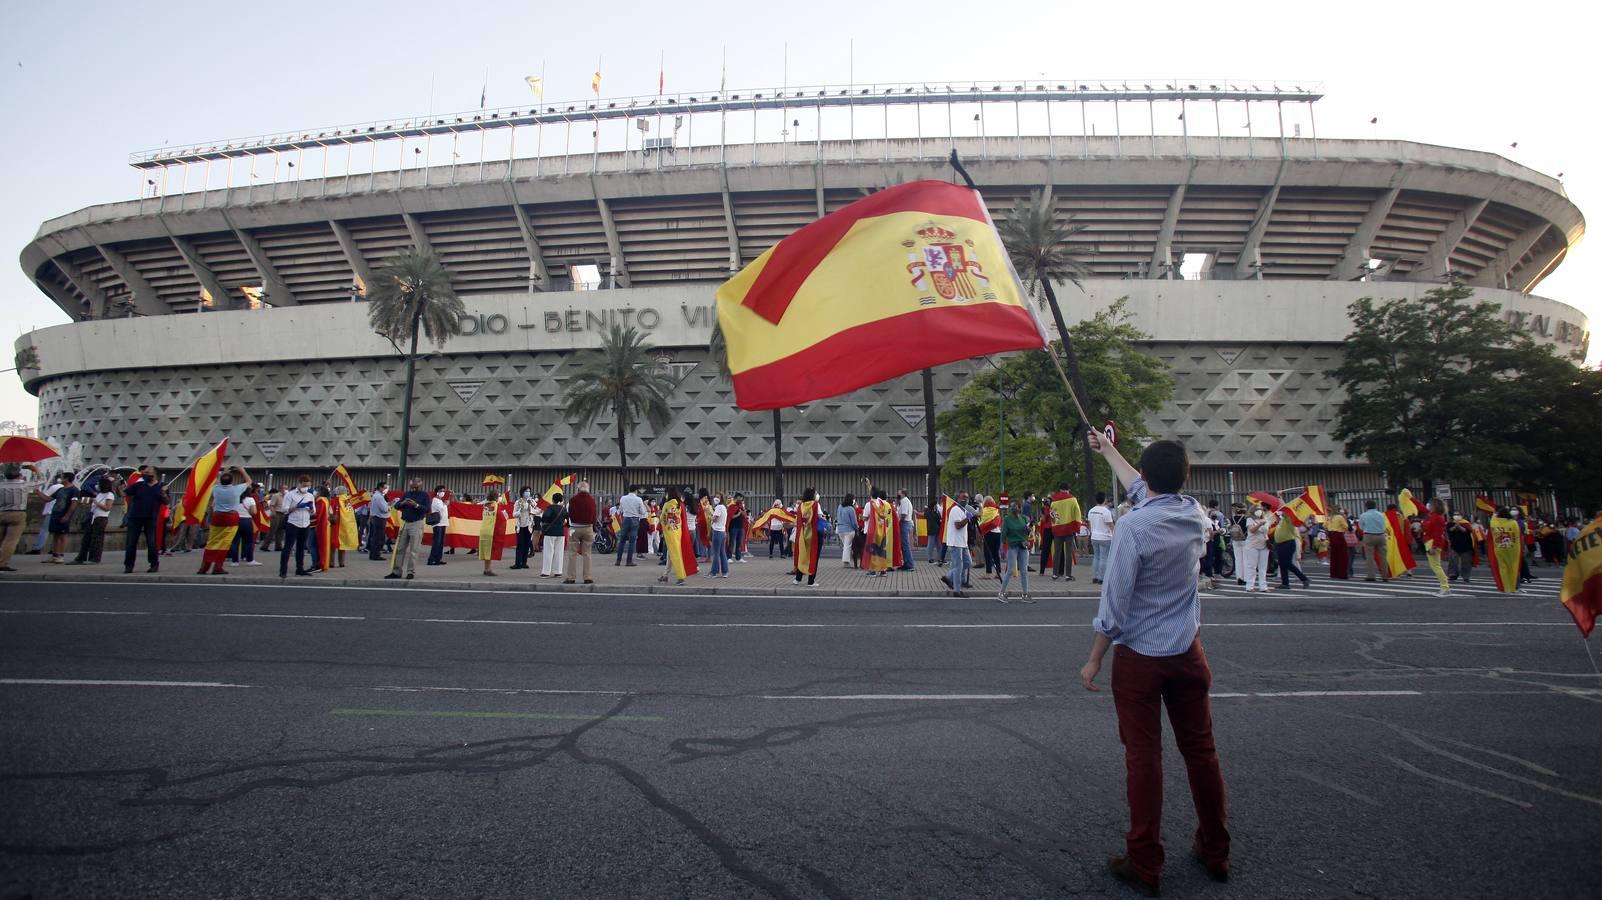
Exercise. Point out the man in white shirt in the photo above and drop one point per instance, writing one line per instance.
(1101, 535)
(631, 509)
(720, 538)
(904, 518)
(956, 540)
(296, 506)
(377, 515)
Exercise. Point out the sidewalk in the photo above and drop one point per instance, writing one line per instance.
(463, 571)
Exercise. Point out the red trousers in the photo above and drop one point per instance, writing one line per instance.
(1141, 687)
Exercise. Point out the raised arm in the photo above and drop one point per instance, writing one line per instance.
(1121, 468)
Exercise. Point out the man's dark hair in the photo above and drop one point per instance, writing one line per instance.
(438, 488)
(1370, 504)
(812, 494)
(1062, 485)
(67, 477)
(556, 498)
(1165, 466)
(1101, 497)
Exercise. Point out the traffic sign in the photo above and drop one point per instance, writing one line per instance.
(1111, 432)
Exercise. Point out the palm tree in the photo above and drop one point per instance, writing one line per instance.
(412, 294)
(719, 348)
(627, 381)
(1037, 240)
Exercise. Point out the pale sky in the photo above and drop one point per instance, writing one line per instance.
(85, 84)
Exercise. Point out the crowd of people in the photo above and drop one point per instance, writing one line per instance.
(313, 526)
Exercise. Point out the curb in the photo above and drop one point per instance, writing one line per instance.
(512, 586)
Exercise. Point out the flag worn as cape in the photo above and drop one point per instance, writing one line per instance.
(907, 278)
(203, 474)
(1506, 552)
(1398, 546)
(1582, 577)
(989, 517)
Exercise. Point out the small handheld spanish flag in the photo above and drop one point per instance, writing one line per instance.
(911, 277)
(343, 474)
(197, 492)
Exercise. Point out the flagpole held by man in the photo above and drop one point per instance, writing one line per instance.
(1150, 612)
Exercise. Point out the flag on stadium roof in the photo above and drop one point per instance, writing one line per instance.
(908, 278)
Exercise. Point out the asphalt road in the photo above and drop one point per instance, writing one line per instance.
(205, 741)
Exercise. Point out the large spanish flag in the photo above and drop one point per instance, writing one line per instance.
(1582, 577)
(202, 476)
(343, 474)
(1506, 553)
(910, 277)
(463, 527)
(1408, 504)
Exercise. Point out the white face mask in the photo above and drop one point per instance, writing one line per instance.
(527, 493)
(440, 494)
(716, 500)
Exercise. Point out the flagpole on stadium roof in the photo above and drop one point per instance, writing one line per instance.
(956, 163)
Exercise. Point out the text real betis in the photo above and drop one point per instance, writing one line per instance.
(584, 320)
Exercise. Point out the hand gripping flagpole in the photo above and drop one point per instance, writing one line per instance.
(956, 163)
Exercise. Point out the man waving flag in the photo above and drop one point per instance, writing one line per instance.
(911, 277)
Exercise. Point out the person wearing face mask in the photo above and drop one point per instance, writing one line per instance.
(296, 506)
(720, 538)
(1257, 551)
(413, 506)
(527, 513)
(439, 514)
(224, 522)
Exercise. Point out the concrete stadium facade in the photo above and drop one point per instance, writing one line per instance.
(1282, 235)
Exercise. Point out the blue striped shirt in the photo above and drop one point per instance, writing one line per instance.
(1149, 601)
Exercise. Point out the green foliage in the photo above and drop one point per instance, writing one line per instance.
(414, 287)
(1037, 239)
(1042, 444)
(1560, 429)
(626, 380)
(1433, 388)
(26, 358)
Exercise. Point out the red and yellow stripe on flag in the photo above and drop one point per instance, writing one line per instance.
(768, 515)
(1582, 577)
(989, 517)
(203, 475)
(1484, 504)
(911, 277)
(559, 486)
(1398, 546)
(461, 529)
(343, 474)
(1311, 503)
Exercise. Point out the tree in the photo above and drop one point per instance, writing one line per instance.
(626, 381)
(412, 294)
(1043, 433)
(1037, 240)
(1561, 430)
(1433, 388)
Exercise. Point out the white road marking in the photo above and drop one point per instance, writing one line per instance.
(1362, 798)
(284, 616)
(75, 612)
(470, 690)
(488, 622)
(86, 682)
(1458, 784)
(897, 697)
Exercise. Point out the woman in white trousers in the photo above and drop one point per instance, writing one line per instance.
(1257, 552)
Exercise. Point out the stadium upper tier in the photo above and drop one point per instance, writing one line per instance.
(1225, 208)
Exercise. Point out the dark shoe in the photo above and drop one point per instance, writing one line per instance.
(390, 575)
(588, 581)
(1219, 874)
(308, 574)
(9, 569)
(410, 576)
(152, 569)
(1121, 869)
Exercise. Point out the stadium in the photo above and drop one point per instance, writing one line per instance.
(226, 300)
